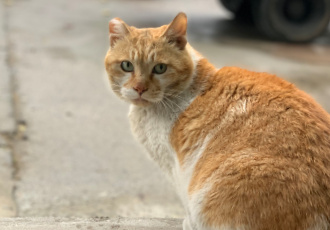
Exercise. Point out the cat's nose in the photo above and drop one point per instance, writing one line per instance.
(140, 88)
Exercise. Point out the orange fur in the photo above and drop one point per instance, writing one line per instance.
(269, 165)
(251, 151)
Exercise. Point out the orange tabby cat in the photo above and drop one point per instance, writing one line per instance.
(244, 150)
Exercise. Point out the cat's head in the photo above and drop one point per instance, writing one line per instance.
(147, 65)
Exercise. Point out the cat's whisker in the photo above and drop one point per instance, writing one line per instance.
(163, 104)
(170, 105)
(178, 96)
(180, 108)
(180, 101)
(173, 110)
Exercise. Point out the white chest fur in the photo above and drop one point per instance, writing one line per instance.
(151, 126)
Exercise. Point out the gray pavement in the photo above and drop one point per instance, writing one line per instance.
(7, 126)
(65, 142)
(38, 223)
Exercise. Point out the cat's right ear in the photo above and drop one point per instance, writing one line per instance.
(117, 30)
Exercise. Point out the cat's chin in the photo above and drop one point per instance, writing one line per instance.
(140, 102)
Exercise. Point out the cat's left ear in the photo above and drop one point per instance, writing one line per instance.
(177, 30)
(117, 30)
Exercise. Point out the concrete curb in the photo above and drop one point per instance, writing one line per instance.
(99, 223)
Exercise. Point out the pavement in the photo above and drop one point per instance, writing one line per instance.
(96, 223)
(65, 144)
(7, 126)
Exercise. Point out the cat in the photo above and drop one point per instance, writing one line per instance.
(244, 150)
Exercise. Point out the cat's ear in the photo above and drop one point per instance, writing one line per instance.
(117, 30)
(177, 30)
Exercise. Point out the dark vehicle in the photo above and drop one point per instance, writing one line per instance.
(289, 20)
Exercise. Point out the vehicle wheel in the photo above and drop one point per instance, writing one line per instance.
(291, 20)
(232, 5)
(240, 8)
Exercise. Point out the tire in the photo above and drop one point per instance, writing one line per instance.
(291, 20)
(232, 5)
(240, 8)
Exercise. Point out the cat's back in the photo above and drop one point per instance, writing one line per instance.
(239, 105)
(262, 152)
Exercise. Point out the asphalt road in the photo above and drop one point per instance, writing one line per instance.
(71, 152)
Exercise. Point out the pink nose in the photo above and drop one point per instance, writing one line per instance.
(140, 88)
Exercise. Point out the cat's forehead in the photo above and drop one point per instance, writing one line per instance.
(145, 43)
(147, 34)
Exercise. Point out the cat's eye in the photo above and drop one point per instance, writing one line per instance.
(159, 68)
(127, 66)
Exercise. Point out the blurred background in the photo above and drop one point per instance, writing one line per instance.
(65, 144)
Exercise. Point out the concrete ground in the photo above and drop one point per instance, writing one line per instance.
(65, 146)
(55, 223)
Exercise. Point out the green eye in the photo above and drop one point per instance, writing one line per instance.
(159, 68)
(127, 66)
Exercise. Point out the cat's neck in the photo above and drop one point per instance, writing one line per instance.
(202, 72)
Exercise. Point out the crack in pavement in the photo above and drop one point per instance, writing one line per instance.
(9, 136)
